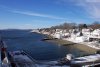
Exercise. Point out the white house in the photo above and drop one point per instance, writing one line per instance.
(96, 32)
(57, 35)
(86, 32)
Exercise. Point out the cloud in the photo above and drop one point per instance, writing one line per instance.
(90, 7)
(36, 14)
(29, 13)
(93, 1)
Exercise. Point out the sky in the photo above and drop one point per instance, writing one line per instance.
(32, 14)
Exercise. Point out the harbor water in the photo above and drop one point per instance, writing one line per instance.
(32, 44)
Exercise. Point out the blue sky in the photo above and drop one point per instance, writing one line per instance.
(25, 14)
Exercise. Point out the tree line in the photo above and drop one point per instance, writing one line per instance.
(94, 25)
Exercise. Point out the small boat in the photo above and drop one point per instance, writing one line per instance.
(91, 60)
(44, 39)
(86, 61)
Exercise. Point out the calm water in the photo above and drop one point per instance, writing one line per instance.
(39, 50)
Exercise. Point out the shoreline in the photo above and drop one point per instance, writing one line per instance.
(76, 45)
(66, 43)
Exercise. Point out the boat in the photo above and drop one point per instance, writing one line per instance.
(85, 61)
(88, 61)
(44, 39)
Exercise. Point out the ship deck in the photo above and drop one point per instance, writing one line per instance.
(22, 60)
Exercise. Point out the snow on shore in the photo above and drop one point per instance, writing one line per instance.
(94, 45)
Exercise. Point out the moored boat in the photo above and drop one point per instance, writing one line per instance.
(44, 39)
(88, 61)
